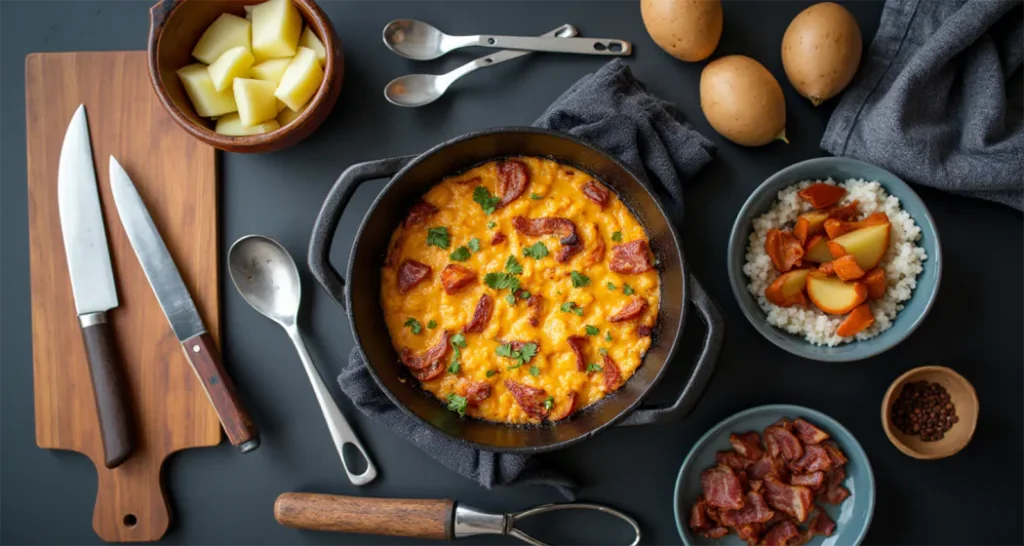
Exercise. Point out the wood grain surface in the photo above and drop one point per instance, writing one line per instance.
(176, 177)
(202, 352)
(417, 518)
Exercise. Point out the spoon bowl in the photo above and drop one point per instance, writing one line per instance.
(415, 89)
(414, 39)
(266, 277)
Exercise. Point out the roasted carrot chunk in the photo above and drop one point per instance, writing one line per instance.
(834, 227)
(821, 195)
(801, 229)
(845, 213)
(858, 320)
(836, 250)
(875, 281)
(784, 249)
(846, 268)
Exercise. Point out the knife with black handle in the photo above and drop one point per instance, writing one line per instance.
(92, 282)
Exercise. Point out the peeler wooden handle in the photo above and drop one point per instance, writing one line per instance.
(417, 518)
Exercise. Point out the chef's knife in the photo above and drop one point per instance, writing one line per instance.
(180, 310)
(92, 283)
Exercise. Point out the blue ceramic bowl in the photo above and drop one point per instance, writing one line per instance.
(852, 517)
(839, 168)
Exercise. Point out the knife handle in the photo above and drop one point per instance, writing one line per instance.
(112, 404)
(205, 359)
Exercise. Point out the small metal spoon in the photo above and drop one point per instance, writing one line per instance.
(267, 278)
(421, 89)
(420, 41)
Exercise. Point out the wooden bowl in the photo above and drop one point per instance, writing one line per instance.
(175, 27)
(961, 394)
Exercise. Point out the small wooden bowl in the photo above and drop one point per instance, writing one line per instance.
(175, 27)
(961, 394)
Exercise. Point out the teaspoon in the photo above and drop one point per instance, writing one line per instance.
(421, 41)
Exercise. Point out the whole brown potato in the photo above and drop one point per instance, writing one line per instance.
(821, 50)
(687, 29)
(743, 101)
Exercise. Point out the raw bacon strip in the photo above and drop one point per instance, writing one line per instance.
(821, 524)
(419, 213)
(782, 442)
(813, 480)
(455, 277)
(748, 445)
(596, 192)
(474, 391)
(566, 252)
(750, 532)
(481, 315)
(722, 488)
(836, 495)
(815, 459)
(429, 357)
(513, 176)
(761, 468)
(432, 372)
(536, 305)
(578, 344)
(795, 500)
(698, 515)
(530, 399)
(754, 510)
(732, 460)
(715, 532)
(784, 423)
(756, 485)
(498, 238)
(566, 409)
(808, 433)
(564, 228)
(780, 534)
(411, 273)
(612, 375)
(630, 311)
(630, 258)
(395, 253)
(834, 453)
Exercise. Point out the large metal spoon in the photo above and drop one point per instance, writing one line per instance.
(421, 89)
(420, 41)
(266, 276)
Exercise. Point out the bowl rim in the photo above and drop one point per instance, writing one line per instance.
(887, 402)
(791, 409)
(805, 349)
(334, 62)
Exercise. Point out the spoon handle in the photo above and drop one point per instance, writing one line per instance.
(584, 46)
(341, 432)
(564, 31)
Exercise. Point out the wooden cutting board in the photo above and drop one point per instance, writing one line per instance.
(176, 177)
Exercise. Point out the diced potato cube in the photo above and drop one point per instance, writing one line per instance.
(207, 101)
(234, 63)
(308, 39)
(255, 99)
(226, 32)
(281, 105)
(231, 125)
(300, 80)
(286, 116)
(270, 71)
(276, 26)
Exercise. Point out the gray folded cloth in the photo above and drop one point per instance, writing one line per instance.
(938, 98)
(613, 111)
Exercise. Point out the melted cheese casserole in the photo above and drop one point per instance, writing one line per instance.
(480, 373)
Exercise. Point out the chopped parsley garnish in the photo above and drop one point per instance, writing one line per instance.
(461, 254)
(579, 280)
(591, 330)
(627, 289)
(535, 197)
(508, 279)
(458, 342)
(491, 224)
(522, 356)
(511, 299)
(523, 294)
(535, 251)
(617, 236)
(457, 404)
(571, 307)
(474, 244)
(593, 368)
(549, 403)
(413, 325)
(603, 351)
(485, 199)
(534, 370)
(491, 373)
(438, 236)
(610, 286)
(513, 266)
(607, 336)
(432, 324)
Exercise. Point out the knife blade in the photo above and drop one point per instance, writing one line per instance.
(180, 310)
(92, 284)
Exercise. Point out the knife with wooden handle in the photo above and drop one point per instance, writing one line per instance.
(181, 311)
(92, 282)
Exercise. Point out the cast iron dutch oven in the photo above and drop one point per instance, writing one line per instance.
(409, 178)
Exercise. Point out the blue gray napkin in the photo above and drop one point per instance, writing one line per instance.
(613, 111)
(938, 98)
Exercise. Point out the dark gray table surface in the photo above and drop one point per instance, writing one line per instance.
(221, 497)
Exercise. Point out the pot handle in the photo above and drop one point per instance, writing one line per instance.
(319, 257)
(701, 374)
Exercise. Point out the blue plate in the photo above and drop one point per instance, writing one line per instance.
(852, 518)
(839, 168)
